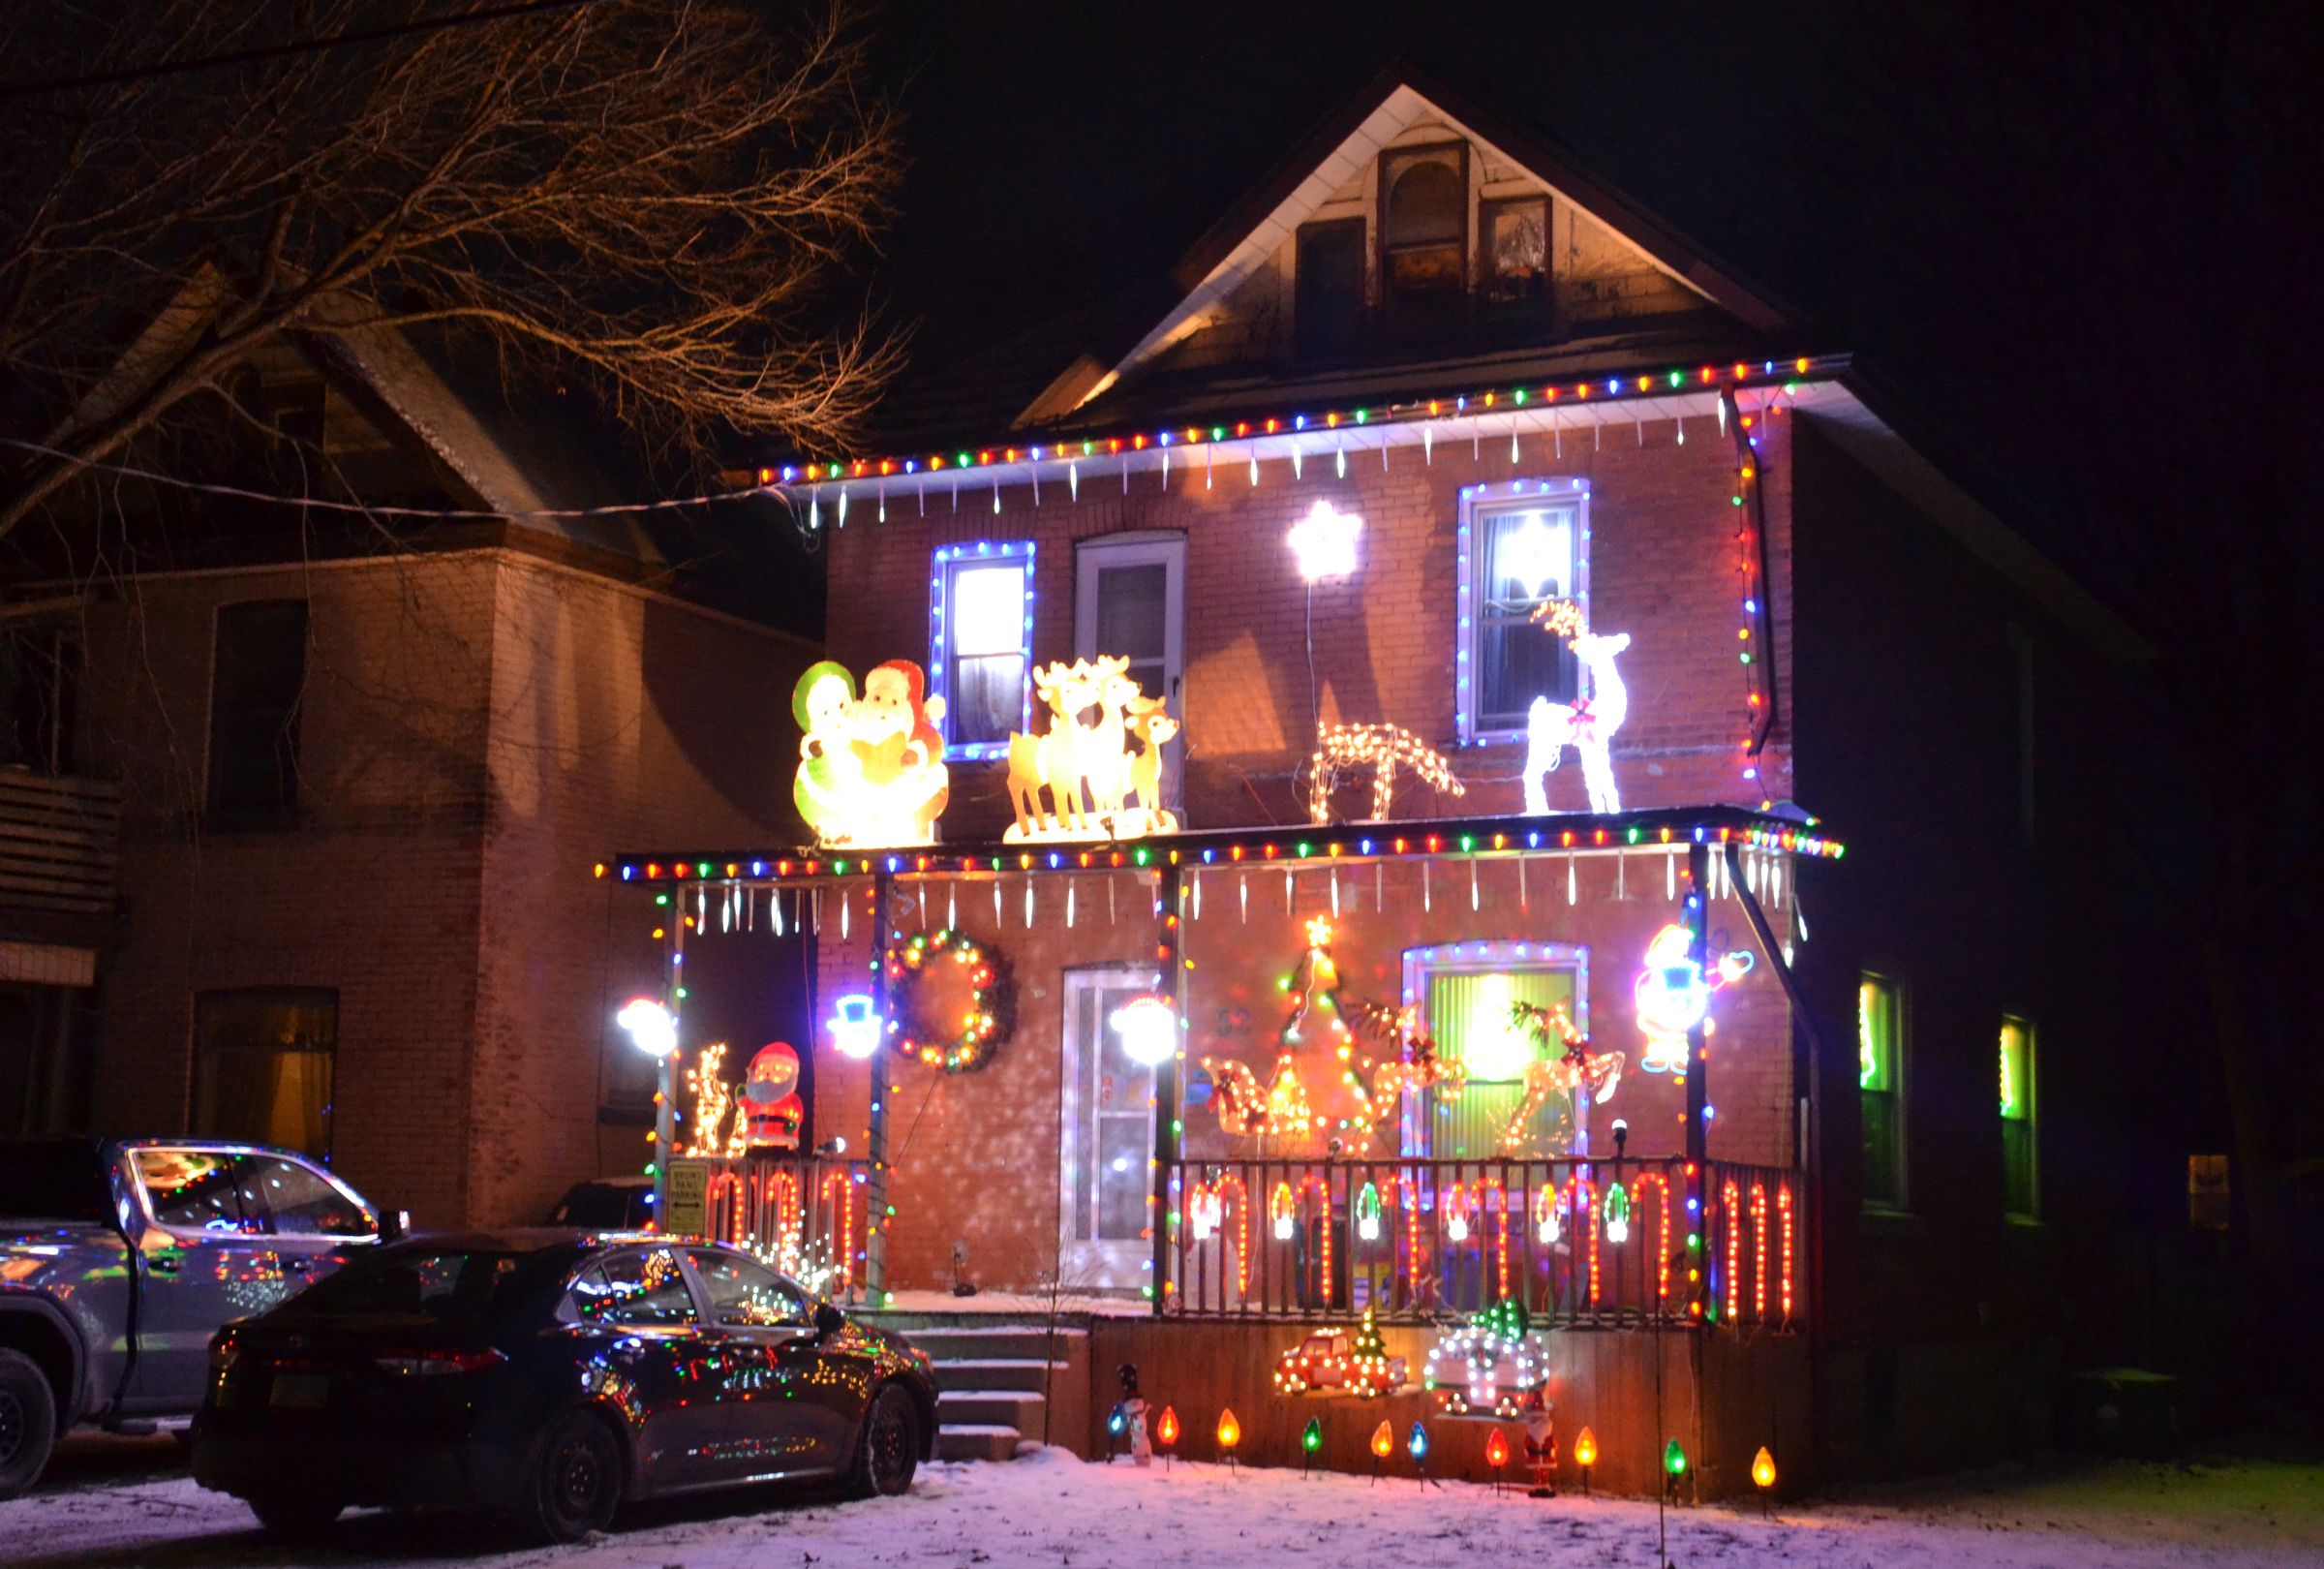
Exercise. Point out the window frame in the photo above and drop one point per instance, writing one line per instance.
(2030, 1118)
(1487, 208)
(250, 1225)
(707, 1299)
(242, 815)
(204, 1075)
(1307, 330)
(1398, 159)
(1477, 503)
(948, 563)
(1484, 957)
(315, 1168)
(1147, 547)
(1899, 1100)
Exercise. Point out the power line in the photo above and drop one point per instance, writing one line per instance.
(322, 504)
(278, 51)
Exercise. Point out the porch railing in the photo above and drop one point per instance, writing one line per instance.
(1581, 1243)
(805, 1215)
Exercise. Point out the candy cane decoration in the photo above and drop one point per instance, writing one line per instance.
(781, 1197)
(1579, 1186)
(1782, 1209)
(1408, 1194)
(1243, 1228)
(1662, 1230)
(1483, 1186)
(1730, 1211)
(1759, 1251)
(1322, 1194)
(839, 1187)
(1282, 1211)
(1545, 1226)
(1454, 1206)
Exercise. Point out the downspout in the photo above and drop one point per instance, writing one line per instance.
(1807, 1053)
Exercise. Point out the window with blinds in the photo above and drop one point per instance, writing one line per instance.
(1469, 1015)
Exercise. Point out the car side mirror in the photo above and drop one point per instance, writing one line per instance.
(394, 1225)
(829, 1321)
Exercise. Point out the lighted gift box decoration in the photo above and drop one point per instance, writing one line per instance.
(870, 766)
(1338, 1361)
(1079, 777)
(1491, 1365)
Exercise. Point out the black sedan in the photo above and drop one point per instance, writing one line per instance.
(550, 1376)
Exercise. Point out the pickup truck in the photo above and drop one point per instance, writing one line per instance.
(119, 1258)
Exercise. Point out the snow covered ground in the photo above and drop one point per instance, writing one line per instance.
(130, 1504)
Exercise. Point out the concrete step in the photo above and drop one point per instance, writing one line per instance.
(978, 1441)
(953, 1343)
(997, 1373)
(1019, 1408)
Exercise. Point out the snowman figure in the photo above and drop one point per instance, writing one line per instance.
(1132, 1412)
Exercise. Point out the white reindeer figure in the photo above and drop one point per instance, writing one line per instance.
(1588, 726)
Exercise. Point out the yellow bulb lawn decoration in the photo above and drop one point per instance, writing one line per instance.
(1230, 1430)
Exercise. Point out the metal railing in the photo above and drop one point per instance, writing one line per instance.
(1579, 1243)
(805, 1215)
(60, 842)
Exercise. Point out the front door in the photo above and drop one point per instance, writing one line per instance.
(1108, 1138)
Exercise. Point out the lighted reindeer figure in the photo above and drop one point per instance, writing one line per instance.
(1083, 747)
(1383, 747)
(1588, 726)
(1150, 722)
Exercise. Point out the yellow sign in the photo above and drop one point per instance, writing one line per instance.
(685, 1211)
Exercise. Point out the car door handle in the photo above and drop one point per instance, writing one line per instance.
(297, 1263)
(163, 1263)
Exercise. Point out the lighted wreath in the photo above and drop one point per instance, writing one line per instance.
(965, 1041)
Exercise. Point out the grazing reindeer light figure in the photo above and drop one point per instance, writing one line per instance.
(1588, 726)
(1384, 747)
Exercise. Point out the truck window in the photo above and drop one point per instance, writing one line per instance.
(197, 1189)
(300, 1201)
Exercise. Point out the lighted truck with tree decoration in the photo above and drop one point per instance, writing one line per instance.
(121, 1258)
(1341, 1361)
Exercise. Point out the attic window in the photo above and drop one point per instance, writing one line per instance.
(1515, 238)
(1423, 234)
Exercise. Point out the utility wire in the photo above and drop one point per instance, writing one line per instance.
(278, 51)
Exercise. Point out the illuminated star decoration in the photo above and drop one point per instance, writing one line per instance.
(1383, 747)
(1577, 1067)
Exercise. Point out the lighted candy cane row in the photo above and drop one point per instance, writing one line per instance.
(1206, 1213)
(1730, 1202)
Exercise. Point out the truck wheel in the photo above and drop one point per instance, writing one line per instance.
(27, 1422)
(295, 1515)
(574, 1484)
(888, 1451)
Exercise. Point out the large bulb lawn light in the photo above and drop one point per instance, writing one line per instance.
(652, 1030)
(1323, 542)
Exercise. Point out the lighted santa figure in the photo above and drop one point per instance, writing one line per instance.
(770, 1098)
(1541, 1444)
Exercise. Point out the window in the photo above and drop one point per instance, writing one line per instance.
(198, 1190)
(644, 1288)
(1468, 991)
(39, 680)
(457, 1286)
(1517, 253)
(263, 1065)
(299, 1201)
(259, 670)
(1130, 602)
(1519, 549)
(1880, 1088)
(2021, 1183)
(1423, 237)
(744, 1294)
(980, 643)
(1327, 290)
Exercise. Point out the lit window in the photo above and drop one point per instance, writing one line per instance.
(980, 634)
(1468, 992)
(1520, 548)
(2021, 1189)
(1880, 1086)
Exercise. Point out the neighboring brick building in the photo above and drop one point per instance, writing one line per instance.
(363, 773)
(1540, 403)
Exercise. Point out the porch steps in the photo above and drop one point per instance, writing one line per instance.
(991, 1381)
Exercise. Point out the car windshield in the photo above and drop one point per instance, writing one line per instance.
(464, 1286)
(54, 1179)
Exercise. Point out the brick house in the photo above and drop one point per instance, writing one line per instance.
(320, 772)
(1817, 1211)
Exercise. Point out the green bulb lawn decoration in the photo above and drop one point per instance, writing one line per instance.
(1313, 1438)
(1674, 1460)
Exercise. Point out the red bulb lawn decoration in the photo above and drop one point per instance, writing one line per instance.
(1496, 1455)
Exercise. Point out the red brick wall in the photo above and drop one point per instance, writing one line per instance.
(476, 729)
(1663, 568)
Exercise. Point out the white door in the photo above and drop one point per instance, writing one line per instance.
(1108, 1137)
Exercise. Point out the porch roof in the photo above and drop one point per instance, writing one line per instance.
(1550, 834)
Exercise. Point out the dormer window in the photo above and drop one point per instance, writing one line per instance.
(1423, 237)
(1516, 240)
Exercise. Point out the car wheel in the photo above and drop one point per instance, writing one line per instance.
(887, 1452)
(27, 1422)
(575, 1483)
(295, 1514)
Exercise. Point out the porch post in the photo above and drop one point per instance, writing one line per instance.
(876, 1133)
(1168, 907)
(666, 1072)
(1697, 1144)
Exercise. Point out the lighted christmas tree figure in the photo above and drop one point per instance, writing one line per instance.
(1372, 1371)
(1318, 1088)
